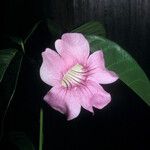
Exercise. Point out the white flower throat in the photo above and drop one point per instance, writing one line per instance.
(74, 76)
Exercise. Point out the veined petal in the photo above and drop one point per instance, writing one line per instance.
(62, 49)
(97, 71)
(51, 67)
(99, 97)
(96, 60)
(73, 107)
(102, 76)
(91, 95)
(83, 95)
(74, 45)
(64, 101)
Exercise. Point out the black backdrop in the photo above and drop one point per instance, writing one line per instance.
(125, 122)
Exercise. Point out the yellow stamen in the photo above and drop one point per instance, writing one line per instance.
(73, 76)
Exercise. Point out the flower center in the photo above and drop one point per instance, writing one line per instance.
(74, 76)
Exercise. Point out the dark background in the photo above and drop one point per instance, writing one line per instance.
(125, 122)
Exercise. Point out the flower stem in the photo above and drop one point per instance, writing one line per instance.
(41, 130)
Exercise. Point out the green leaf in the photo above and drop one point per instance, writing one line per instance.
(91, 28)
(6, 56)
(118, 60)
(53, 28)
(16, 40)
(21, 141)
(32, 31)
(9, 85)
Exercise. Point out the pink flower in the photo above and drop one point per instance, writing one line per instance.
(75, 76)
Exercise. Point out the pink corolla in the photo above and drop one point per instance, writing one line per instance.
(75, 76)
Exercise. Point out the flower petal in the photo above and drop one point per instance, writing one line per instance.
(97, 70)
(75, 45)
(91, 95)
(63, 100)
(96, 60)
(51, 68)
(68, 59)
(99, 97)
(83, 97)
